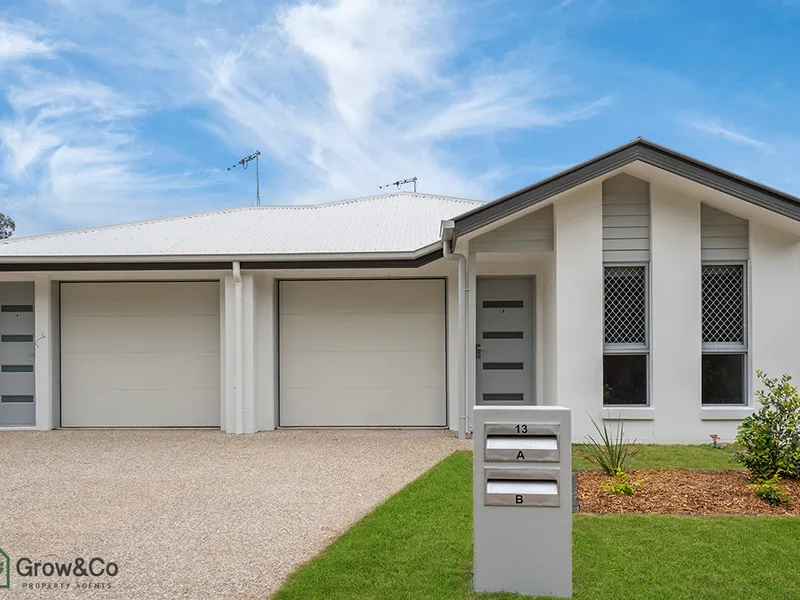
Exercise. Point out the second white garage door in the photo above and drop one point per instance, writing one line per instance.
(362, 353)
(140, 354)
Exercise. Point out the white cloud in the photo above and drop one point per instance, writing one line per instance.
(49, 112)
(726, 132)
(21, 40)
(356, 92)
(72, 145)
(340, 96)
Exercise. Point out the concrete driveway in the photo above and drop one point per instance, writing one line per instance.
(193, 513)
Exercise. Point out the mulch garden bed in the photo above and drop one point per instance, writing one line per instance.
(672, 491)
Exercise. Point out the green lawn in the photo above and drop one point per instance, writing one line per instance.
(700, 458)
(418, 545)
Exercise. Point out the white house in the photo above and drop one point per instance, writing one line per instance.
(641, 285)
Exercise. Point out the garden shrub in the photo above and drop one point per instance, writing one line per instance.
(770, 492)
(768, 441)
(612, 452)
(621, 485)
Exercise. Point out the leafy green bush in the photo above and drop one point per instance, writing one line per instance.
(768, 441)
(770, 492)
(621, 485)
(612, 452)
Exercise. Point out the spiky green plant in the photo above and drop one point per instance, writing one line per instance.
(612, 452)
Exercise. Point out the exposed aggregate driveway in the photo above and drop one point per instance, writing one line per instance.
(194, 513)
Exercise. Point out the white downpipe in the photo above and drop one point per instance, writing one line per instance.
(238, 381)
(461, 355)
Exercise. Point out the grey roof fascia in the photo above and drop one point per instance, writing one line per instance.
(637, 150)
(544, 189)
(719, 179)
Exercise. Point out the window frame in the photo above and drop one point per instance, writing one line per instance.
(631, 349)
(726, 347)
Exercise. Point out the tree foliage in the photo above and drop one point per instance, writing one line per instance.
(7, 227)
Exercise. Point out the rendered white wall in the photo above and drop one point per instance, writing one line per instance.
(55, 354)
(579, 314)
(227, 356)
(676, 321)
(548, 354)
(775, 294)
(42, 335)
(266, 396)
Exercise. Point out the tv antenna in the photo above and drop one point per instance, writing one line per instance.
(400, 183)
(254, 156)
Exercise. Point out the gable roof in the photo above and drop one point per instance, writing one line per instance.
(401, 222)
(641, 150)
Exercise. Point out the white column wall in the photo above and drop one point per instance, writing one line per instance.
(266, 399)
(227, 356)
(579, 294)
(249, 352)
(775, 294)
(55, 353)
(548, 355)
(676, 321)
(42, 336)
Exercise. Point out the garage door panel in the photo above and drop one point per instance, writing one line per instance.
(148, 298)
(140, 354)
(332, 332)
(362, 297)
(130, 408)
(141, 370)
(197, 333)
(367, 408)
(362, 353)
(363, 370)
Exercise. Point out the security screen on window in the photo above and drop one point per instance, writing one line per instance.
(625, 335)
(724, 334)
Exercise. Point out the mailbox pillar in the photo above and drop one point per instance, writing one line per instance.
(523, 500)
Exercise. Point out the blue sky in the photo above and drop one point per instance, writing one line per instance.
(118, 110)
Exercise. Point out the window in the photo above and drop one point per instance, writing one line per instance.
(625, 335)
(724, 334)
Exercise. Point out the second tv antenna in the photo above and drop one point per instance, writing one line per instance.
(400, 183)
(254, 156)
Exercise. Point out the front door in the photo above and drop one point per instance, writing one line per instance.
(505, 340)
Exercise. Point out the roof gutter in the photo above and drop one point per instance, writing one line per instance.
(391, 260)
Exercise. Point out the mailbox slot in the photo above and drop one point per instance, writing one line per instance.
(521, 442)
(521, 487)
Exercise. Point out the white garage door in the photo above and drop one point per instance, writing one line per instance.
(362, 353)
(140, 354)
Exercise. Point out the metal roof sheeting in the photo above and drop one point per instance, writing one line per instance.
(397, 222)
